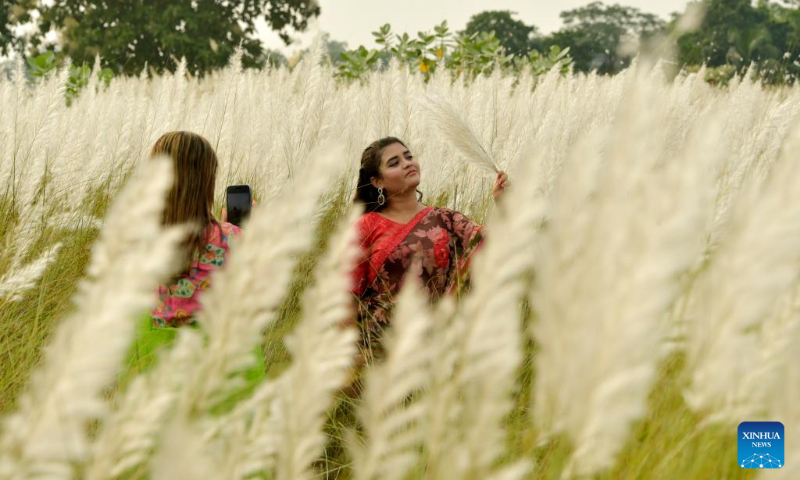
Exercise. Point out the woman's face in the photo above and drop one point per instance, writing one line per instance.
(399, 170)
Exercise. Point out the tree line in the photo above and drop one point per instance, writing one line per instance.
(732, 36)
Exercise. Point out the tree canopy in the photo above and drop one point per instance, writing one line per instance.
(514, 35)
(11, 14)
(5, 26)
(733, 35)
(131, 34)
(736, 33)
(596, 34)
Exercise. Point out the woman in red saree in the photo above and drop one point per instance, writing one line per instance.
(397, 230)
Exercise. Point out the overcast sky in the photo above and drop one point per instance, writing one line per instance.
(353, 20)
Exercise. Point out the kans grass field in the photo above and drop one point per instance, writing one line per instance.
(636, 299)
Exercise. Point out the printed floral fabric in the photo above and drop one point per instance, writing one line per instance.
(178, 302)
(439, 239)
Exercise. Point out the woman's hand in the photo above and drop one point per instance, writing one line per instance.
(500, 183)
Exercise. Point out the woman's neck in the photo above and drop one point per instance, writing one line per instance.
(402, 205)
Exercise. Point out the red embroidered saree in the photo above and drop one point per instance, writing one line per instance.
(440, 238)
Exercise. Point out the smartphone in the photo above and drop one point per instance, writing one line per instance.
(239, 201)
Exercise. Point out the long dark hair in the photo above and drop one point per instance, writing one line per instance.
(366, 193)
(191, 198)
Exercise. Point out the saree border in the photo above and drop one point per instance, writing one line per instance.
(395, 240)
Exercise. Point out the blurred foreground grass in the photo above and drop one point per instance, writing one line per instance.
(668, 444)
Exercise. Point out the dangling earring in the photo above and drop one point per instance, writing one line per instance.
(381, 198)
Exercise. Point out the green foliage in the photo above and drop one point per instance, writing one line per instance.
(462, 54)
(131, 35)
(43, 65)
(357, 63)
(79, 78)
(720, 75)
(13, 13)
(5, 28)
(335, 49)
(541, 63)
(272, 58)
(728, 29)
(596, 34)
(478, 54)
(735, 34)
(514, 35)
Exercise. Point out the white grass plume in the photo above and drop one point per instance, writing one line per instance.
(249, 436)
(755, 264)
(490, 351)
(392, 413)
(47, 434)
(15, 283)
(244, 300)
(457, 131)
(278, 429)
(182, 454)
(31, 166)
(441, 396)
(781, 400)
(322, 352)
(315, 95)
(131, 432)
(28, 229)
(623, 227)
(249, 287)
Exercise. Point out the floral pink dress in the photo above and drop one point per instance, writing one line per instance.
(441, 239)
(179, 301)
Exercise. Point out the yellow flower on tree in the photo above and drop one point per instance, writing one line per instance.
(423, 67)
(440, 52)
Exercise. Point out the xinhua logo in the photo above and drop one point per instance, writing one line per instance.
(761, 445)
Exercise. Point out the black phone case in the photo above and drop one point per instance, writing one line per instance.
(239, 209)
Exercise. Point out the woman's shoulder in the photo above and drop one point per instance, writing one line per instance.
(455, 220)
(367, 219)
(218, 242)
(229, 229)
(448, 213)
(367, 224)
(220, 233)
(443, 210)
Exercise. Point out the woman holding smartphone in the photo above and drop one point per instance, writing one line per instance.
(190, 201)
